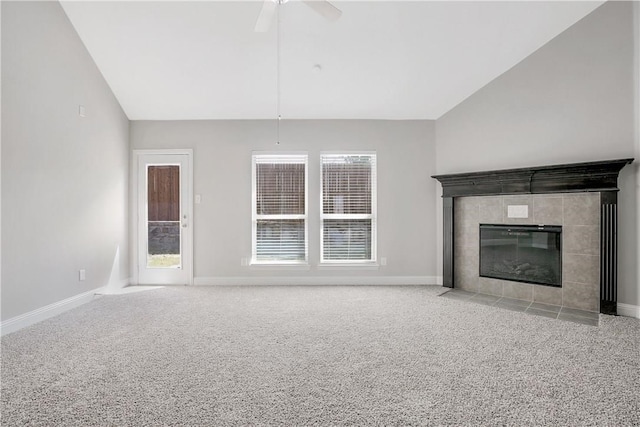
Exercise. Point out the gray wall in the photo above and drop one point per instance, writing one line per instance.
(636, 73)
(222, 175)
(571, 101)
(64, 178)
(0, 162)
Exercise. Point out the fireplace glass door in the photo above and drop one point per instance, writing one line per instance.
(521, 253)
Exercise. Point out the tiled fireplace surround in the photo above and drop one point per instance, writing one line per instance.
(579, 216)
(581, 197)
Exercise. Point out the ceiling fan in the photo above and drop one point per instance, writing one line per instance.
(322, 7)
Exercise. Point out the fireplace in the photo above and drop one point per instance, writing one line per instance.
(521, 253)
(583, 197)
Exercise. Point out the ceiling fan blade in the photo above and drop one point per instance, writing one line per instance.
(263, 23)
(324, 8)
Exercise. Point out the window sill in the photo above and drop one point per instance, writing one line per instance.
(349, 266)
(277, 266)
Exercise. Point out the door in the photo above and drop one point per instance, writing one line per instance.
(164, 219)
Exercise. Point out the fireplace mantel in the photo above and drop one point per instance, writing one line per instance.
(600, 176)
(566, 178)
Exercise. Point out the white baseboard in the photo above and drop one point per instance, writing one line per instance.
(315, 280)
(439, 280)
(131, 290)
(629, 310)
(43, 313)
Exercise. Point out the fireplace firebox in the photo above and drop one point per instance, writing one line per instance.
(522, 253)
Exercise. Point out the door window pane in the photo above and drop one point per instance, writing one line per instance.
(163, 216)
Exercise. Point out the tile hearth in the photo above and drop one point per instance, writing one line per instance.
(535, 308)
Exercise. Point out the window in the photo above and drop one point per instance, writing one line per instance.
(279, 208)
(348, 211)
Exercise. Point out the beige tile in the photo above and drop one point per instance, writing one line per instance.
(580, 268)
(543, 313)
(466, 272)
(517, 200)
(580, 313)
(547, 210)
(459, 295)
(581, 239)
(465, 211)
(485, 299)
(490, 286)
(589, 314)
(466, 284)
(467, 254)
(460, 216)
(467, 235)
(511, 307)
(578, 319)
(581, 296)
(581, 209)
(513, 301)
(547, 295)
(490, 210)
(473, 199)
(517, 290)
(545, 307)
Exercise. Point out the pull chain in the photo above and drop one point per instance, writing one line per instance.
(279, 117)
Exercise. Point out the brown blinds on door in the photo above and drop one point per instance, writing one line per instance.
(163, 193)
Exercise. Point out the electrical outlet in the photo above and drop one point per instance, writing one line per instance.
(82, 275)
(383, 261)
(244, 261)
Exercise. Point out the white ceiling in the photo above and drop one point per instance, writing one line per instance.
(380, 60)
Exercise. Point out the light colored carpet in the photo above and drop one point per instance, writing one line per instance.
(293, 356)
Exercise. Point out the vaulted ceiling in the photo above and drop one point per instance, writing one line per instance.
(380, 60)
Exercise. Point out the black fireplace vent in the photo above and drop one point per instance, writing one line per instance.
(522, 253)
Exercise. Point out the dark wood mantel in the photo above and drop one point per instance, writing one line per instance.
(600, 176)
(566, 178)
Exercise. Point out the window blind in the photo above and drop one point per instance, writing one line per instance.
(279, 208)
(348, 212)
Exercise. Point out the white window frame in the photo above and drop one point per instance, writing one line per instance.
(373, 216)
(282, 158)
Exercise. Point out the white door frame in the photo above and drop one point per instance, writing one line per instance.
(135, 220)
